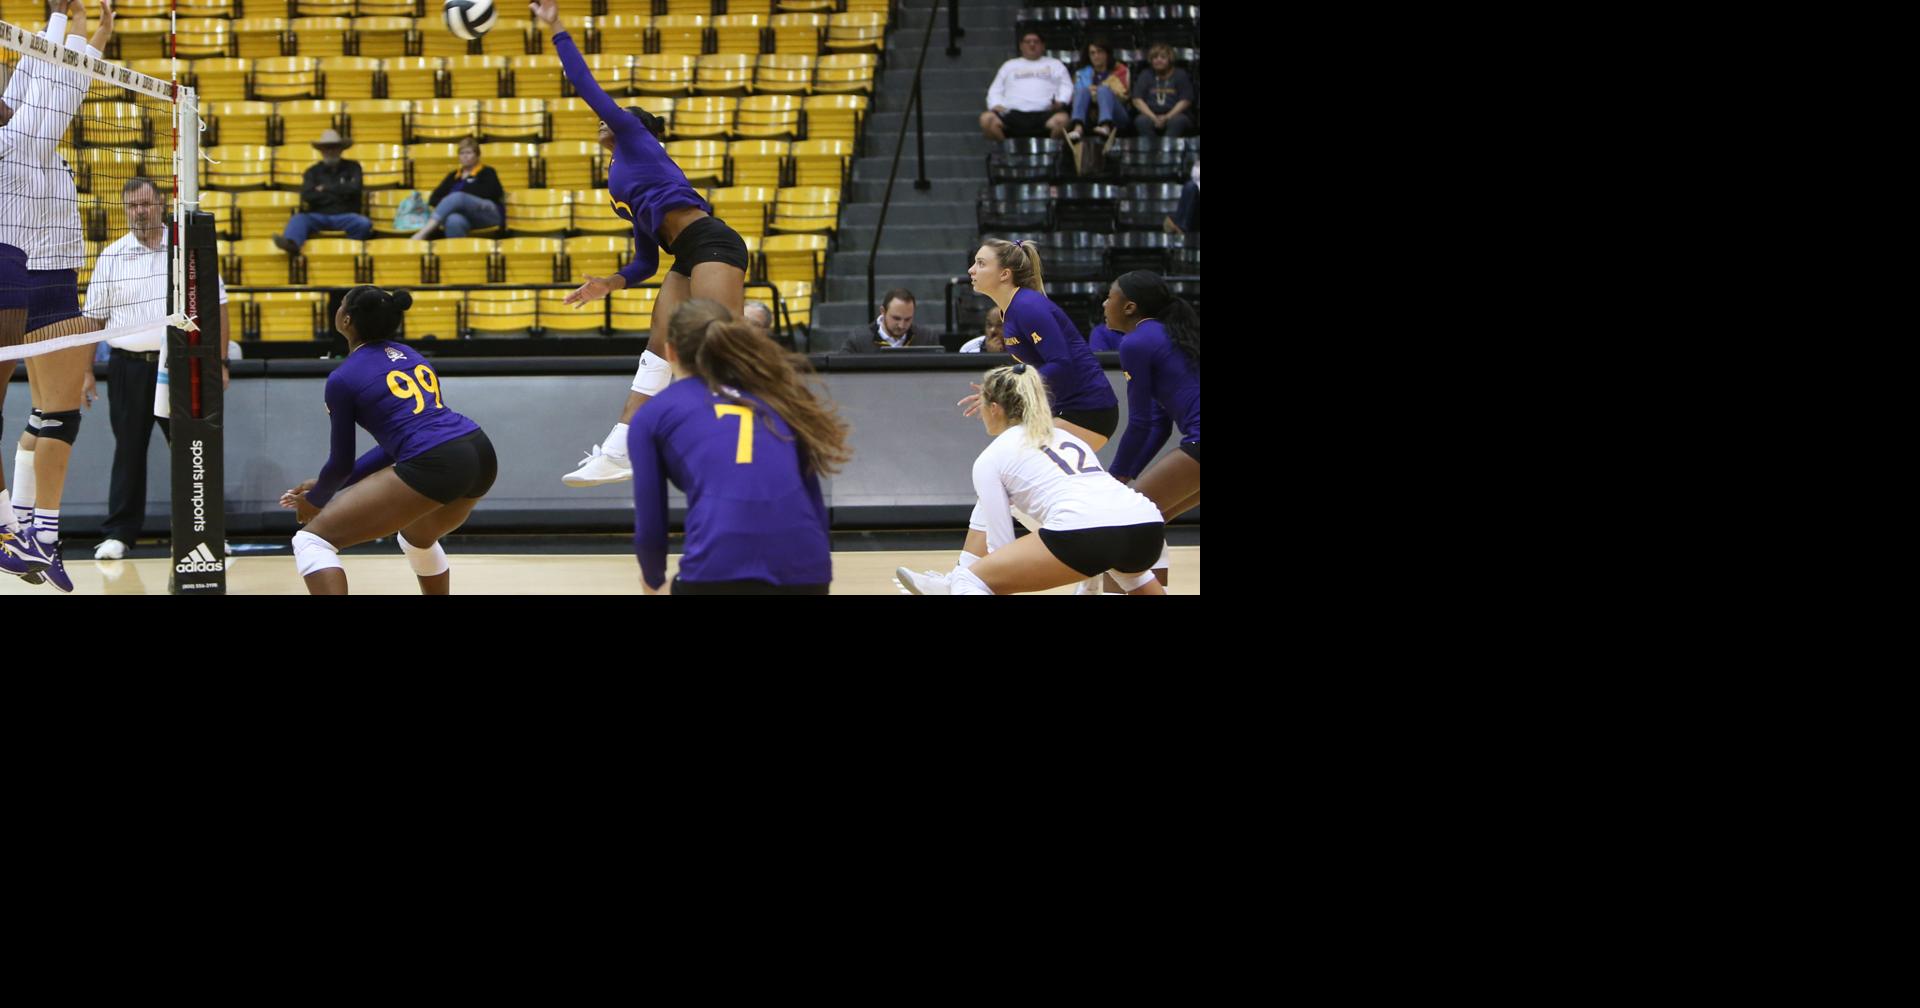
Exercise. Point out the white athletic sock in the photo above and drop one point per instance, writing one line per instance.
(616, 442)
(7, 522)
(23, 486)
(46, 524)
(1095, 585)
(963, 582)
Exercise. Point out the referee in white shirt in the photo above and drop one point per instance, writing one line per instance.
(129, 285)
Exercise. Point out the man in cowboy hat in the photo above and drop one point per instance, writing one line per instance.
(330, 191)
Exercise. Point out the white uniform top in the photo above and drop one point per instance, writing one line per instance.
(1025, 85)
(39, 209)
(129, 286)
(1061, 485)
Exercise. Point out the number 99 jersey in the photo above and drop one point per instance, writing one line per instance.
(394, 393)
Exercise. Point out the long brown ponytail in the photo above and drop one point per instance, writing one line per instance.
(733, 357)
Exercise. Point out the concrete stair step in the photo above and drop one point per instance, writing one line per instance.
(859, 217)
(897, 236)
(896, 259)
(940, 167)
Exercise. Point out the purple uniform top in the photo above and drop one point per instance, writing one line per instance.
(642, 181)
(752, 513)
(1103, 339)
(1162, 382)
(393, 393)
(1038, 333)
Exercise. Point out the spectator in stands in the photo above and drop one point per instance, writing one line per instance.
(469, 197)
(760, 317)
(1029, 95)
(1186, 216)
(994, 339)
(894, 327)
(1162, 95)
(330, 194)
(1103, 84)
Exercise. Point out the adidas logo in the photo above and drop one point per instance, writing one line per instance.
(201, 560)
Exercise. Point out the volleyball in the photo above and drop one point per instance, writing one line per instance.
(469, 19)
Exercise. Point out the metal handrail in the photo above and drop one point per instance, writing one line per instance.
(914, 112)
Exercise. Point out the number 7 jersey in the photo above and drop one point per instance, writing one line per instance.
(1060, 483)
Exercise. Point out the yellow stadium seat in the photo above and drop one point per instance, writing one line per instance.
(757, 162)
(535, 76)
(680, 34)
(530, 260)
(739, 33)
(668, 74)
(619, 35)
(538, 211)
(764, 117)
(822, 163)
(880, 6)
(806, 208)
(381, 206)
(572, 119)
(127, 9)
(382, 165)
(704, 162)
(397, 262)
(434, 315)
(261, 215)
(783, 74)
(593, 213)
(501, 311)
(350, 78)
(217, 79)
(104, 214)
(513, 119)
(723, 73)
(112, 124)
(857, 32)
(140, 38)
(382, 37)
(292, 315)
(329, 262)
(376, 120)
(237, 166)
(102, 170)
(801, 33)
(682, 7)
(631, 8)
(464, 261)
(436, 40)
(220, 205)
(790, 257)
(300, 122)
(507, 37)
(845, 73)
(557, 316)
(614, 74)
(835, 116)
(513, 161)
(796, 299)
(413, 77)
(631, 310)
(431, 163)
(320, 36)
(283, 77)
(322, 8)
(659, 105)
(785, 6)
(595, 255)
(703, 118)
(258, 262)
(242, 122)
(396, 8)
(573, 164)
(197, 37)
(744, 208)
(444, 119)
(476, 76)
(260, 38)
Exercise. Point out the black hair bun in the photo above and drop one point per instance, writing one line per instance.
(402, 300)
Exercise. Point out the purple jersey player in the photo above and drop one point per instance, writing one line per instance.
(741, 433)
(1160, 353)
(429, 465)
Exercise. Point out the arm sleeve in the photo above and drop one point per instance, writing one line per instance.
(100, 289)
(1052, 347)
(575, 67)
(333, 475)
(440, 191)
(1062, 84)
(1182, 87)
(488, 187)
(368, 464)
(1147, 424)
(649, 503)
(993, 500)
(1083, 79)
(350, 183)
(997, 91)
(310, 184)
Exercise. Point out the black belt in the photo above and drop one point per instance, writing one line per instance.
(150, 356)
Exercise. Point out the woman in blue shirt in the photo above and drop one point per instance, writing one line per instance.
(429, 465)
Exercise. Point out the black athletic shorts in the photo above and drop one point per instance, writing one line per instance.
(743, 588)
(708, 239)
(1129, 549)
(1100, 421)
(1025, 124)
(1193, 450)
(460, 468)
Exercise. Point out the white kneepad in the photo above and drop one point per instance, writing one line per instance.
(653, 375)
(1129, 582)
(312, 553)
(425, 562)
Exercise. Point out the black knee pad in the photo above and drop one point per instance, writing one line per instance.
(63, 426)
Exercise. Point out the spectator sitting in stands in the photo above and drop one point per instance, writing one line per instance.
(1163, 95)
(1186, 216)
(469, 197)
(1103, 82)
(760, 317)
(330, 194)
(994, 339)
(1029, 95)
(894, 327)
